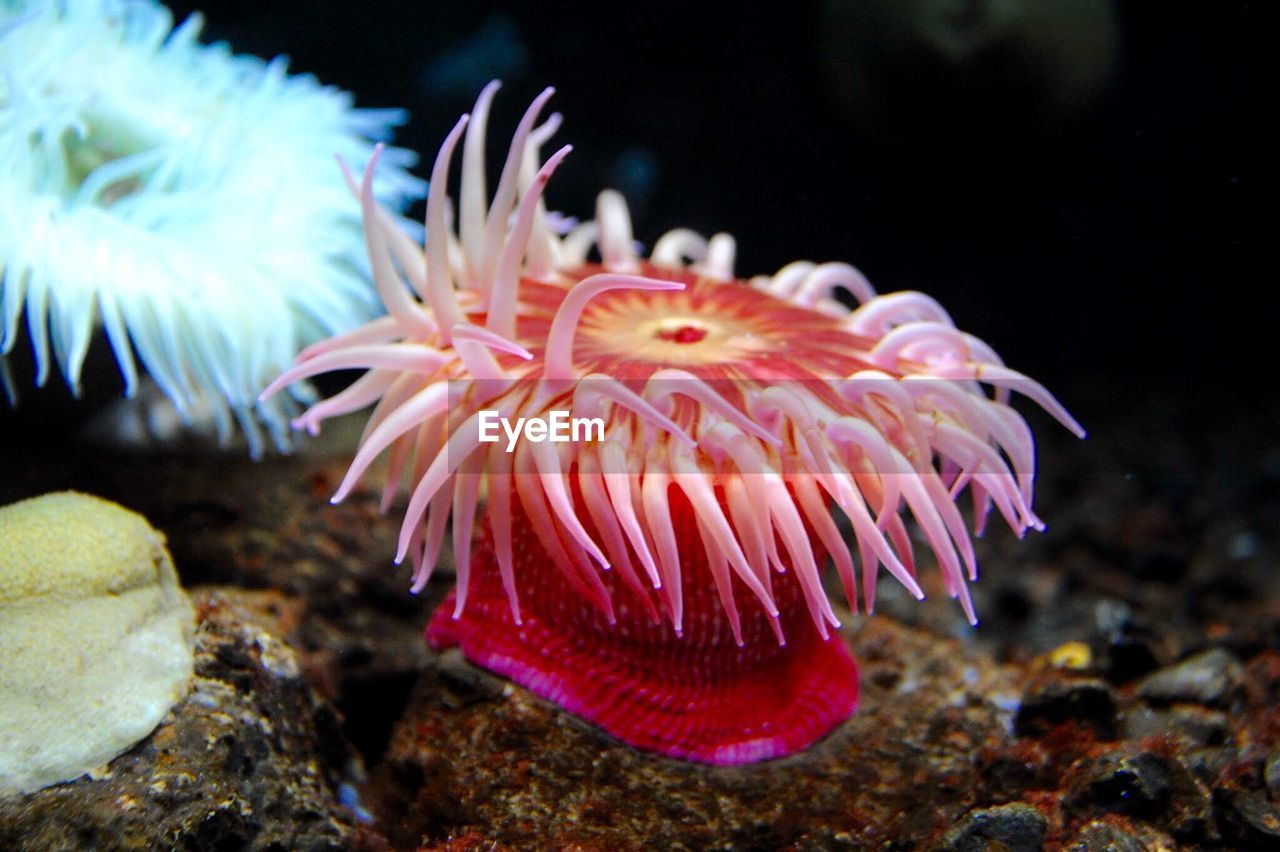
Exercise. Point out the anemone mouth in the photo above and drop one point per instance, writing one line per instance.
(680, 330)
(689, 328)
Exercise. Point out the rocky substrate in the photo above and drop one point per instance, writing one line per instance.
(252, 758)
(1121, 692)
(948, 750)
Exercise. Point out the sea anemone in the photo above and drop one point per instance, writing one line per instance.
(183, 198)
(662, 577)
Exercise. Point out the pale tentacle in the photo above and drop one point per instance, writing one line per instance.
(498, 507)
(461, 444)
(381, 330)
(821, 283)
(878, 316)
(403, 357)
(853, 431)
(925, 341)
(440, 293)
(790, 528)
(810, 447)
(406, 252)
(927, 514)
(786, 279)
(591, 486)
(391, 290)
(533, 499)
(577, 243)
(425, 404)
(742, 513)
(721, 252)
(363, 392)
(671, 380)
(559, 351)
(1003, 377)
(473, 344)
(673, 247)
(490, 339)
(472, 202)
(543, 255)
(616, 243)
(895, 399)
(816, 513)
(694, 483)
(502, 300)
(402, 387)
(495, 227)
(725, 440)
(717, 565)
(598, 385)
(551, 476)
(466, 495)
(618, 484)
(657, 510)
(432, 540)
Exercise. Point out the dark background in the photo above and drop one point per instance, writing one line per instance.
(1086, 194)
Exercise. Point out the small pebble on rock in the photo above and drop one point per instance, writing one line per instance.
(1050, 703)
(1015, 827)
(1206, 678)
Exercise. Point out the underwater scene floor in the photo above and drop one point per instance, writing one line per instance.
(1121, 691)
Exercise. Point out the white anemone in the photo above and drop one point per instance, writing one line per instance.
(183, 198)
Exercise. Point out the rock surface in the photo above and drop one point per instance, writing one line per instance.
(932, 759)
(479, 760)
(251, 759)
(1158, 568)
(95, 636)
(268, 526)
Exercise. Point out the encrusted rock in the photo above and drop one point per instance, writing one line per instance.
(1145, 784)
(1048, 703)
(1119, 834)
(251, 759)
(230, 521)
(1271, 771)
(1197, 725)
(478, 759)
(1206, 678)
(1016, 827)
(1249, 818)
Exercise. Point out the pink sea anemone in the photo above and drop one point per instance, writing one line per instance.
(663, 579)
